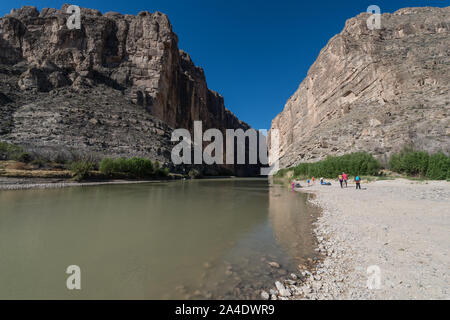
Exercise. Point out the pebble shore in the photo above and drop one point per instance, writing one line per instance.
(400, 227)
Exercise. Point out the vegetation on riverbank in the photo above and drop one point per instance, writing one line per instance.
(16, 162)
(420, 164)
(360, 163)
(82, 170)
(132, 168)
(411, 163)
(13, 152)
(121, 168)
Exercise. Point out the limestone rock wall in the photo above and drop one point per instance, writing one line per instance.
(375, 91)
(117, 86)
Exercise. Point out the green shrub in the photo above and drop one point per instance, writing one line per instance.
(121, 165)
(410, 162)
(134, 167)
(12, 152)
(395, 163)
(107, 167)
(81, 170)
(162, 172)
(419, 163)
(140, 168)
(24, 157)
(195, 174)
(359, 163)
(4, 147)
(438, 167)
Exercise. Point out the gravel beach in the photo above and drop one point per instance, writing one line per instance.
(399, 228)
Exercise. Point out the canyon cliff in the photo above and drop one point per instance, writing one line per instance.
(117, 86)
(373, 90)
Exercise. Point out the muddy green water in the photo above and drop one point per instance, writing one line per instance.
(179, 240)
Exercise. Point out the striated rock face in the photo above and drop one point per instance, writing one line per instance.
(375, 91)
(118, 86)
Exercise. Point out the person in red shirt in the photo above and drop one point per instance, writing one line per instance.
(345, 177)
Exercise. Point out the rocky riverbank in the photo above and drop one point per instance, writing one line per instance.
(398, 227)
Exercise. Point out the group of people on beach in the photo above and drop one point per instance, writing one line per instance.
(343, 179)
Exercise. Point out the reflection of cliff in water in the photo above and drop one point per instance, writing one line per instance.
(291, 218)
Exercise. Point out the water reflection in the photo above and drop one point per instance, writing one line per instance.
(291, 217)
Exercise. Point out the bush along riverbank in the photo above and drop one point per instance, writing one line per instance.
(408, 163)
(132, 168)
(421, 164)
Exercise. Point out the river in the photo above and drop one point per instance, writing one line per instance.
(201, 239)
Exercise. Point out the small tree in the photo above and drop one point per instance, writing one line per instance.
(81, 170)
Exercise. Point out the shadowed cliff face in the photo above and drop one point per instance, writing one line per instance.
(117, 86)
(375, 91)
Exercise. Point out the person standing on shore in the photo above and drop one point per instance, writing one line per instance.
(345, 177)
(358, 182)
(341, 180)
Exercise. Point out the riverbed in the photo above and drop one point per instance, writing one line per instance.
(201, 239)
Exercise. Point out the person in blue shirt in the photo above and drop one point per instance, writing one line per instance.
(358, 182)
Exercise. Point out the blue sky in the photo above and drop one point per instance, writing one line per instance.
(254, 53)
